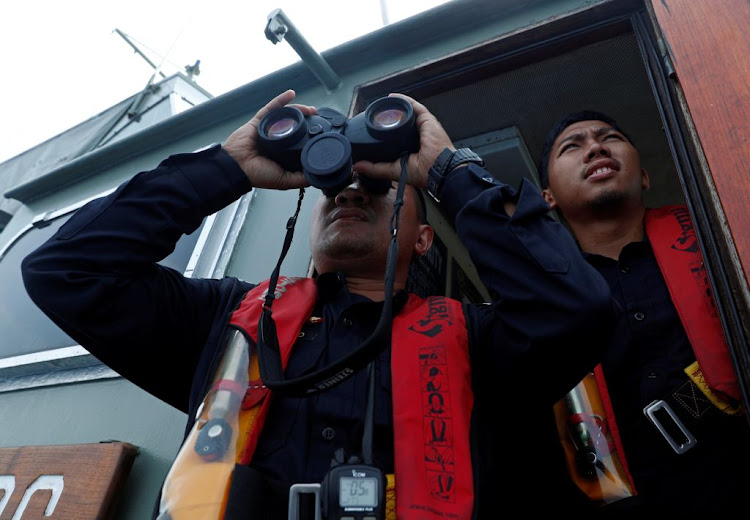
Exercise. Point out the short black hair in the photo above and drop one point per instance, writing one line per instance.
(421, 206)
(563, 123)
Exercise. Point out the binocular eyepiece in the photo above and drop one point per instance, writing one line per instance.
(325, 145)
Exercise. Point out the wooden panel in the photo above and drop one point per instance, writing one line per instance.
(708, 43)
(67, 482)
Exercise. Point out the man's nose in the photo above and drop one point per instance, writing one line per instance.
(353, 193)
(597, 149)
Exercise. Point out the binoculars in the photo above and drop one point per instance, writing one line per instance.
(325, 145)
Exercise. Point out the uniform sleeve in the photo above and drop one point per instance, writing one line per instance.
(98, 278)
(551, 314)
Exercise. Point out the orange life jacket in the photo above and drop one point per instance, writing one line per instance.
(432, 394)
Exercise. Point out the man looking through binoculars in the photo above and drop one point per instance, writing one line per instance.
(425, 407)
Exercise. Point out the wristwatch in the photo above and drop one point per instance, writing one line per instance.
(445, 163)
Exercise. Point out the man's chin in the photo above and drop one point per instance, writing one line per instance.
(346, 250)
(608, 201)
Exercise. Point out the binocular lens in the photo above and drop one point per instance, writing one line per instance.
(325, 145)
(281, 128)
(388, 118)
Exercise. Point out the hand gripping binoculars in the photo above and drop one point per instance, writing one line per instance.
(324, 146)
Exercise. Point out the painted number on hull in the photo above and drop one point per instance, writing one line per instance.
(54, 483)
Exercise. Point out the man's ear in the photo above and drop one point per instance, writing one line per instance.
(549, 197)
(424, 239)
(645, 181)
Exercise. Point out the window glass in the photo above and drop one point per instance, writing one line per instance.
(25, 329)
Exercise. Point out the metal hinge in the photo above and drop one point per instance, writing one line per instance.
(664, 53)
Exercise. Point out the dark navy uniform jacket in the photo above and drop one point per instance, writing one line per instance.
(549, 321)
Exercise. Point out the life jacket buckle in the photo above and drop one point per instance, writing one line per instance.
(667, 429)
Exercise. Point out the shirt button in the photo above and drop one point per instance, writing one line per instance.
(624, 269)
(348, 322)
(328, 433)
(639, 316)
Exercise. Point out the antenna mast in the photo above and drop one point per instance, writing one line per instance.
(138, 51)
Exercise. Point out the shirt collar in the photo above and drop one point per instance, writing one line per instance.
(333, 285)
(642, 245)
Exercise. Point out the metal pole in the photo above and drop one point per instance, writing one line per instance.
(280, 27)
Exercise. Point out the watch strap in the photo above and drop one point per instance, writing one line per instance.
(445, 163)
(436, 174)
(461, 156)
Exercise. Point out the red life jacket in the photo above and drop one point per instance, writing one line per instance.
(432, 395)
(672, 236)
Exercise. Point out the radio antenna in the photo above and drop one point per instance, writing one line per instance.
(140, 53)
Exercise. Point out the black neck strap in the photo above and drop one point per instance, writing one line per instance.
(269, 353)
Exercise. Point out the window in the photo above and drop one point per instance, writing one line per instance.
(25, 328)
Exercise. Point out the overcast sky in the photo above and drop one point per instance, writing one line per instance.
(63, 62)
